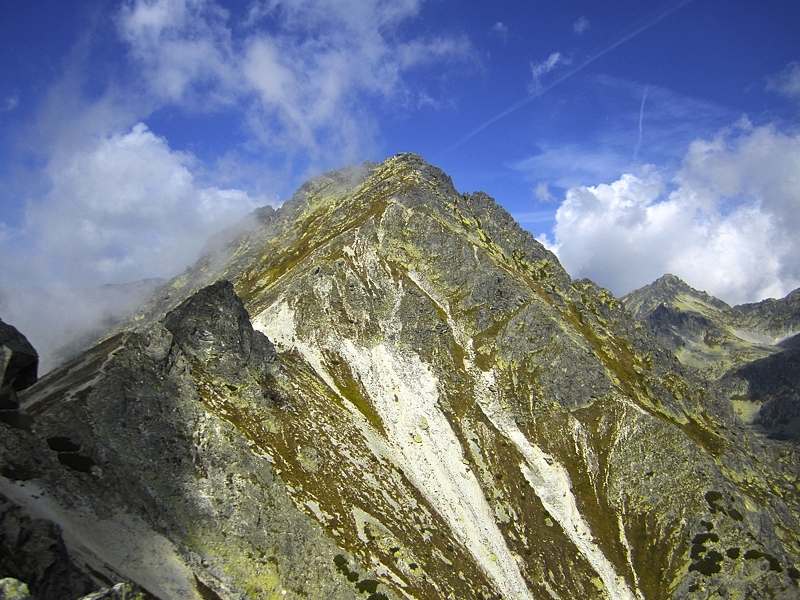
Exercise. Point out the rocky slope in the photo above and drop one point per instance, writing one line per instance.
(752, 350)
(387, 389)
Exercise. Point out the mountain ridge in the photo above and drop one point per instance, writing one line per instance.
(389, 388)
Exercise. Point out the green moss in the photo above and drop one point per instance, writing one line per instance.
(349, 388)
(653, 551)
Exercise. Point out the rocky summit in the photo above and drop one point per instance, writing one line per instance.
(386, 389)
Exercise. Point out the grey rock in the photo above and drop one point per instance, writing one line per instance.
(33, 551)
(18, 364)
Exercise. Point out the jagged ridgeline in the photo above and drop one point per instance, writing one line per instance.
(387, 389)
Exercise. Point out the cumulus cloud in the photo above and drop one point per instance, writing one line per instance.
(125, 207)
(538, 70)
(727, 223)
(581, 25)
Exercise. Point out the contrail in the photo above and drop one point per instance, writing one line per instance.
(641, 115)
(645, 23)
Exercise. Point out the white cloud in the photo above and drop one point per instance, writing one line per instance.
(538, 70)
(125, 207)
(581, 25)
(122, 208)
(309, 64)
(179, 45)
(729, 227)
(787, 82)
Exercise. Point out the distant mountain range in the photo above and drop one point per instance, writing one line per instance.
(388, 389)
(752, 350)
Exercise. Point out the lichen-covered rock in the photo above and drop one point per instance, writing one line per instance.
(13, 589)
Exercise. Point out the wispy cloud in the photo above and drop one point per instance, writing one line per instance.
(542, 193)
(787, 82)
(10, 103)
(540, 69)
(500, 30)
(568, 165)
(310, 68)
(532, 217)
(640, 124)
(581, 25)
(537, 90)
(641, 120)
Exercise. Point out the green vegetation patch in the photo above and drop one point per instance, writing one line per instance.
(350, 389)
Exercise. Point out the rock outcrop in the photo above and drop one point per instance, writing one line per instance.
(387, 389)
(18, 364)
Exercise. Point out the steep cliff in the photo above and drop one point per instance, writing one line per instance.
(387, 389)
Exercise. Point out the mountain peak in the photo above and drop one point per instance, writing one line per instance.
(669, 290)
(387, 387)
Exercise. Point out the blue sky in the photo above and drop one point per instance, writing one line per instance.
(633, 138)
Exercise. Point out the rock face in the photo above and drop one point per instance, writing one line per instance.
(752, 351)
(387, 389)
(18, 363)
(34, 551)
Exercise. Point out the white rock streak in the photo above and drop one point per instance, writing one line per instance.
(431, 455)
(548, 478)
(404, 393)
(551, 482)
